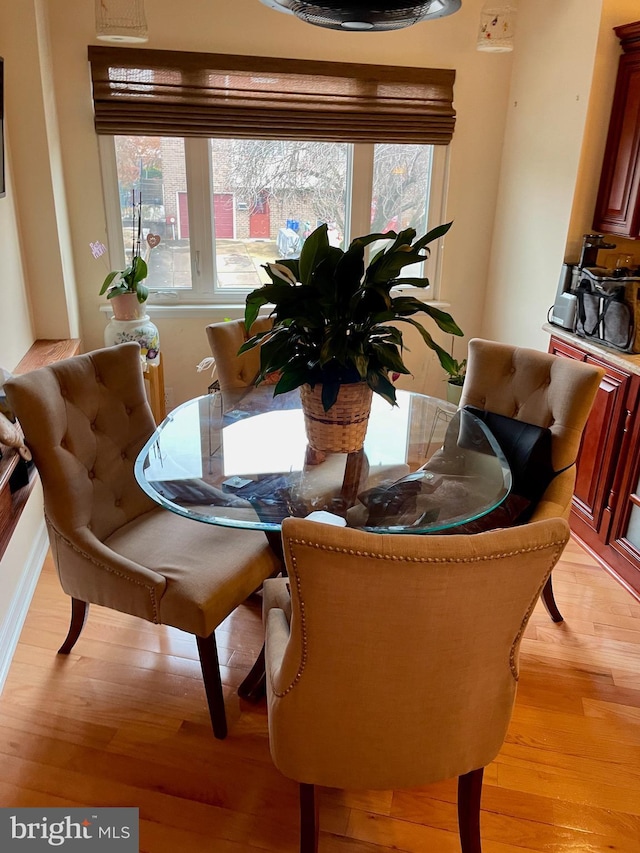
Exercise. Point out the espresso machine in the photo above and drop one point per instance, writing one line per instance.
(591, 245)
(563, 313)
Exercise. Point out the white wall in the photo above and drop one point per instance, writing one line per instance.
(553, 66)
(15, 319)
(15, 313)
(21, 563)
(38, 182)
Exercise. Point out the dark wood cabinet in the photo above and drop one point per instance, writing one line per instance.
(618, 203)
(605, 515)
(600, 441)
(624, 538)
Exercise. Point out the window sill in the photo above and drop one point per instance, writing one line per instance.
(170, 312)
(212, 310)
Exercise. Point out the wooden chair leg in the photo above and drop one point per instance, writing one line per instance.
(469, 794)
(208, 652)
(79, 612)
(308, 819)
(550, 603)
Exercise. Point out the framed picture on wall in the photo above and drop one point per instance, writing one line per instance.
(2, 179)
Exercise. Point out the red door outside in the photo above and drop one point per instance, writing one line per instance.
(223, 213)
(260, 217)
(183, 217)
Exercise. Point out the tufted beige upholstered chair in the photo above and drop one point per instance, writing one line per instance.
(225, 339)
(395, 662)
(542, 389)
(85, 420)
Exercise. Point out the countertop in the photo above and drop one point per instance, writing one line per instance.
(626, 361)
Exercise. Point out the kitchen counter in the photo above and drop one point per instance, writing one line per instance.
(626, 361)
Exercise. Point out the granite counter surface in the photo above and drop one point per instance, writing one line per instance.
(626, 361)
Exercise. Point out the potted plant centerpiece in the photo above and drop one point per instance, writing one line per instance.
(334, 333)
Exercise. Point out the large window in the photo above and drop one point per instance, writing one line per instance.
(223, 207)
(239, 158)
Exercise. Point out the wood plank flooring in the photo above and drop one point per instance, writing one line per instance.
(123, 721)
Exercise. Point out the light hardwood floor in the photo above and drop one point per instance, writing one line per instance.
(123, 721)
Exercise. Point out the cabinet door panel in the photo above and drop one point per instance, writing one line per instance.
(596, 460)
(557, 347)
(618, 202)
(605, 515)
(625, 537)
(596, 463)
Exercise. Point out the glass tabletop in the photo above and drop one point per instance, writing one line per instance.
(241, 459)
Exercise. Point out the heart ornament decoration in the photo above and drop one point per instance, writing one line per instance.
(153, 240)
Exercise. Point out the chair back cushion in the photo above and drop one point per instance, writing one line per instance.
(85, 420)
(225, 339)
(536, 387)
(401, 661)
(527, 449)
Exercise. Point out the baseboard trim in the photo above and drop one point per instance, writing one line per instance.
(17, 613)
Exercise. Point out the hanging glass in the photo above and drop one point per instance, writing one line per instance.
(121, 21)
(497, 27)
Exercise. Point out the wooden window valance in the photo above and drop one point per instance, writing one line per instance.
(172, 93)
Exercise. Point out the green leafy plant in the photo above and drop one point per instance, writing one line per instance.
(333, 317)
(130, 279)
(457, 372)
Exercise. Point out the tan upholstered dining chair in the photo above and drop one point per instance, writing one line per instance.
(542, 389)
(225, 339)
(85, 420)
(394, 662)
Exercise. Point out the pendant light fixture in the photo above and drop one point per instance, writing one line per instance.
(355, 16)
(121, 21)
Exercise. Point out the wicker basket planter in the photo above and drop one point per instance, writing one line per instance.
(343, 428)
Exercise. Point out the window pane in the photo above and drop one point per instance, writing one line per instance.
(400, 196)
(267, 197)
(155, 167)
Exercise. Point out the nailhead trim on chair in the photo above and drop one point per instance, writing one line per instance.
(303, 626)
(104, 567)
(512, 653)
(394, 558)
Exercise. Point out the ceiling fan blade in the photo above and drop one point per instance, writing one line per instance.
(354, 16)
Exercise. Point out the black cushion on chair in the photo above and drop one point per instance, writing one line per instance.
(527, 449)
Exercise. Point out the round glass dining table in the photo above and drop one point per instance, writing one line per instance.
(241, 459)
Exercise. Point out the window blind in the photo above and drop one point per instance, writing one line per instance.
(172, 93)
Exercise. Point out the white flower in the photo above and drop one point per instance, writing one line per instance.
(282, 272)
